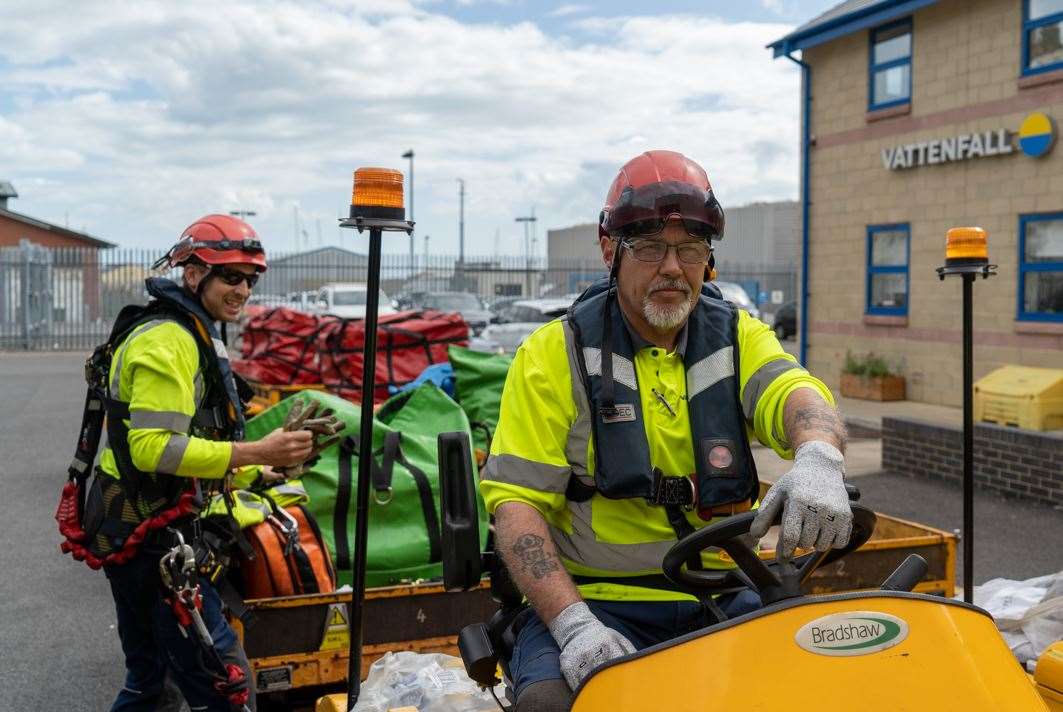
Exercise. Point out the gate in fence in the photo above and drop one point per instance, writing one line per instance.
(26, 298)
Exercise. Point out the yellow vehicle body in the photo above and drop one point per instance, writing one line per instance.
(861, 651)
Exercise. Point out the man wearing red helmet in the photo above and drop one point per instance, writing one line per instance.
(599, 465)
(175, 429)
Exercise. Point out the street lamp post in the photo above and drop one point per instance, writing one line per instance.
(413, 260)
(527, 220)
(461, 221)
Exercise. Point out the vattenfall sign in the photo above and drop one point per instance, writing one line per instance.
(1035, 137)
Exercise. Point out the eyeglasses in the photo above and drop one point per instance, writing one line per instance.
(233, 277)
(691, 253)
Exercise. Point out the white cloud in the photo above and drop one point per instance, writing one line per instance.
(566, 10)
(146, 115)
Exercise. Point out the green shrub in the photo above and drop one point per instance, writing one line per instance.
(868, 366)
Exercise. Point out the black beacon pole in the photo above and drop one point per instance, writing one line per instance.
(966, 255)
(373, 207)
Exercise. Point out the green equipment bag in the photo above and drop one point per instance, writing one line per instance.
(478, 381)
(404, 534)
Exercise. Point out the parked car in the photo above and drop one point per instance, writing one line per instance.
(347, 300)
(468, 305)
(517, 321)
(734, 293)
(785, 321)
(300, 301)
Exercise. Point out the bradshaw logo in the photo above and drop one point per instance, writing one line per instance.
(853, 633)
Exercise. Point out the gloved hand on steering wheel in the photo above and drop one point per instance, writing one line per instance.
(585, 642)
(816, 510)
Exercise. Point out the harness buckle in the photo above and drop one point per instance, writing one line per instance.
(674, 491)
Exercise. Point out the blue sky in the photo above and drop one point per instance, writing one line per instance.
(135, 119)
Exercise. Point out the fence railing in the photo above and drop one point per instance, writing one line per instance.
(67, 298)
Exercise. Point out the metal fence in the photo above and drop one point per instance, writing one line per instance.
(67, 298)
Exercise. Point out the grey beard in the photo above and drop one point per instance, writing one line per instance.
(665, 318)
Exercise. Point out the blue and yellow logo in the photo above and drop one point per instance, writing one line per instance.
(1037, 134)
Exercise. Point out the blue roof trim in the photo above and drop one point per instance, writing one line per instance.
(846, 25)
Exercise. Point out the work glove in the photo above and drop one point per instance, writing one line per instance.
(304, 415)
(585, 642)
(815, 504)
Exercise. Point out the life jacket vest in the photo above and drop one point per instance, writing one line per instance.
(725, 470)
(107, 523)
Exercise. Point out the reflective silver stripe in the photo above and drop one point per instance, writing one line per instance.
(709, 371)
(95, 405)
(252, 501)
(172, 454)
(161, 419)
(197, 386)
(582, 546)
(79, 465)
(289, 488)
(526, 473)
(623, 369)
(220, 350)
(579, 434)
(760, 381)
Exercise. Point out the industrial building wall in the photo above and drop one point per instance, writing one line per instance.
(965, 66)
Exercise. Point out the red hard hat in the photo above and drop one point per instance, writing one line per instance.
(655, 186)
(217, 240)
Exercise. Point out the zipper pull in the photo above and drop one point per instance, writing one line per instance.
(663, 400)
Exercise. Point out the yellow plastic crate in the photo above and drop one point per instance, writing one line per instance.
(1021, 397)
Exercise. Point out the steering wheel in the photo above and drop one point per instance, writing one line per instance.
(774, 581)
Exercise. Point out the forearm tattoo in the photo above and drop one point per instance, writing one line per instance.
(529, 549)
(805, 419)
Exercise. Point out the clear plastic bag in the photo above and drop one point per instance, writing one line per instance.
(431, 682)
(1028, 613)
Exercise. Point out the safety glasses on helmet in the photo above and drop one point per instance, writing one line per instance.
(643, 212)
(233, 277)
(691, 253)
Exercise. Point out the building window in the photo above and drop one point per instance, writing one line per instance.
(1042, 36)
(1041, 267)
(887, 269)
(890, 81)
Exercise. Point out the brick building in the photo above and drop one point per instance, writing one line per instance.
(918, 116)
(72, 275)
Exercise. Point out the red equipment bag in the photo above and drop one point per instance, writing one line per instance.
(290, 557)
(278, 347)
(406, 344)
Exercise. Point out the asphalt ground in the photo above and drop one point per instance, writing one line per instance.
(58, 645)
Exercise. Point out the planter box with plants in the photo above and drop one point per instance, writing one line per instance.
(870, 377)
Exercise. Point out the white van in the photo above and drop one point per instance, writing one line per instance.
(347, 300)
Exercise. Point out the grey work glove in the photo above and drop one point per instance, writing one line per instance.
(308, 415)
(585, 642)
(816, 510)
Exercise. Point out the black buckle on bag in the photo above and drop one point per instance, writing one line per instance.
(673, 491)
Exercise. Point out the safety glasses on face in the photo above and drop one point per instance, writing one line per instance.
(233, 277)
(691, 253)
(643, 212)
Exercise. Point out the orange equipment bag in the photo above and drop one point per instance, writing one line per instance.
(290, 557)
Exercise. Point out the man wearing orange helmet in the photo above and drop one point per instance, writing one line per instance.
(175, 429)
(599, 465)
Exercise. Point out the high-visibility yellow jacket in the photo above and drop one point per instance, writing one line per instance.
(530, 463)
(156, 370)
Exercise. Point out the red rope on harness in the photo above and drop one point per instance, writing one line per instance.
(70, 527)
